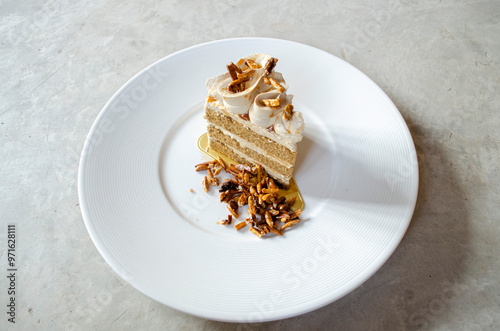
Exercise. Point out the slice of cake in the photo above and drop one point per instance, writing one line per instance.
(250, 117)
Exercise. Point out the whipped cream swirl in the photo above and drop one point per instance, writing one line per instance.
(249, 103)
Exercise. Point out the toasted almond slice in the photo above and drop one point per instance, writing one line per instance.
(289, 224)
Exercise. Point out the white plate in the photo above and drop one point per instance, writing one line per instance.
(357, 171)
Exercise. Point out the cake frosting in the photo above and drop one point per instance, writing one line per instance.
(248, 105)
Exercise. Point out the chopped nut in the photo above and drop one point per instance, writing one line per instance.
(252, 64)
(272, 184)
(251, 205)
(290, 201)
(222, 163)
(288, 112)
(243, 167)
(264, 229)
(269, 219)
(217, 171)
(210, 176)
(242, 200)
(238, 85)
(228, 185)
(233, 170)
(203, 166)
(289, 224)
(233, 208)
(259, 188)
(240, 226)
(252, 186)
(274, 212)
(283, 217)
(271, 63)
(275, 231)
(233, 70)
(272, 103)
(227, 221)
(255, 231)
(270, 190)
(274, 83)
(295, 214)
(205, 184)
(246, 73)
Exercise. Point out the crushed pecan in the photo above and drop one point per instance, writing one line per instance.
(234, 70)
(271, 63)
(268, 211)
(238, 84)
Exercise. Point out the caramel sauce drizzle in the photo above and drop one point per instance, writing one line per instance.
(245, 116)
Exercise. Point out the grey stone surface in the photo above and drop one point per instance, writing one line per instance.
(437, 60)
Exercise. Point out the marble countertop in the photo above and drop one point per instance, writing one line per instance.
(437, 60)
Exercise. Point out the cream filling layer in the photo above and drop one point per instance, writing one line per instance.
(254, 147)
(274, 174)
(291, 145)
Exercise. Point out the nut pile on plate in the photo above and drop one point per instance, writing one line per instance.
(269, 212)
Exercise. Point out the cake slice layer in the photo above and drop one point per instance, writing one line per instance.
(274, 149)
(266, 161)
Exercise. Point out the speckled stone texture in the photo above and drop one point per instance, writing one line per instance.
(437, 60)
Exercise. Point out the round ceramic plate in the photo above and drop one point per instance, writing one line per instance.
(356, 169)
